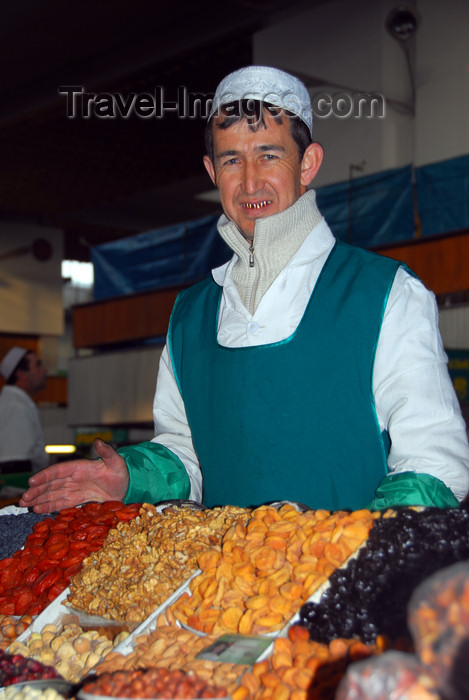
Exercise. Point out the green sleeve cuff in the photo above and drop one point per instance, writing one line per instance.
(412, 489)
(155, 474)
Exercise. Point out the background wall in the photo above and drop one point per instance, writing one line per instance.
(357, 53)
(441, 129)
(346, 44)
(113, 388)
(30, 288)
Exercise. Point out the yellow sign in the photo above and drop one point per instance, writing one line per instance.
(85, 438)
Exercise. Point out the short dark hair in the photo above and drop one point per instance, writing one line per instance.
(23, 364)
(253, 111)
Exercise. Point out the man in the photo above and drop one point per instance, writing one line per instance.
(306, 369)
(21, 435)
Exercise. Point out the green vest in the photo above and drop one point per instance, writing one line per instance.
(292, 420)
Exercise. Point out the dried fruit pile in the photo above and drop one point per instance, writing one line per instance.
(14, 530)
(153, 683)
(268, 566)
(15, 668)
(29, 692)
(171, 647)
(370, 596)
(258, 568)
(300, 669)
(145, 561)
(68, 649)
(11, 627)
(35, 575)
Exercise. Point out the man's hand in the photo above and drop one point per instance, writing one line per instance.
(71, 483)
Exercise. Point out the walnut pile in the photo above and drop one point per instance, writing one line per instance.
(145, 560)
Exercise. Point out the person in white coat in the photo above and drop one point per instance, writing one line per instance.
(21, 435)
(303, 369)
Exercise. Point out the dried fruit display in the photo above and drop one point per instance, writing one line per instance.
(171, 647)
(267, 567)
(15, 668)
(35, 575)
(70, 650)
(300, 669)
(11, 627)
(153, 683)
(144, 561)
(371, 594)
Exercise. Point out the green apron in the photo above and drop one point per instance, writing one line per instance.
(292, 420)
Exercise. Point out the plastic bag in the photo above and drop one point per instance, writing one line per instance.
(395, 675)
(438, 618)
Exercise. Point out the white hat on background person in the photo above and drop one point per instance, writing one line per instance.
(11, 361)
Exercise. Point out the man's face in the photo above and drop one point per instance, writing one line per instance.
(36, 378)
(259, 173)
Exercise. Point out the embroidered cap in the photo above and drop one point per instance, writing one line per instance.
(266, 84)
(11, 361)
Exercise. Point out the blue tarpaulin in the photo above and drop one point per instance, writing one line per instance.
(370, 211)
(443, 196)
(166, 257)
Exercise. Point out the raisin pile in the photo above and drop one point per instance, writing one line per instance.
(15, 668)
(370, 596)
(14, 530)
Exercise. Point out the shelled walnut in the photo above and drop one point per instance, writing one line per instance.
(143, 561)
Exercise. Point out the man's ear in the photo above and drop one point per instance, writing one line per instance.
(210, 168)
(310, 163)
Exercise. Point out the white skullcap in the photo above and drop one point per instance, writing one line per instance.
(266, 84)
(11, 361)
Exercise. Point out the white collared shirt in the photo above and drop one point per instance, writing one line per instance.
(21, 434)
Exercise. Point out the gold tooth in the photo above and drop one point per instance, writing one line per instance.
(260, 205)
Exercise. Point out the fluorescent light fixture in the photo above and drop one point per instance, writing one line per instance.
(81, 274)
(60, 449)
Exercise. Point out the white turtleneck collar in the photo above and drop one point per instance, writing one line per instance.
(276, 240)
